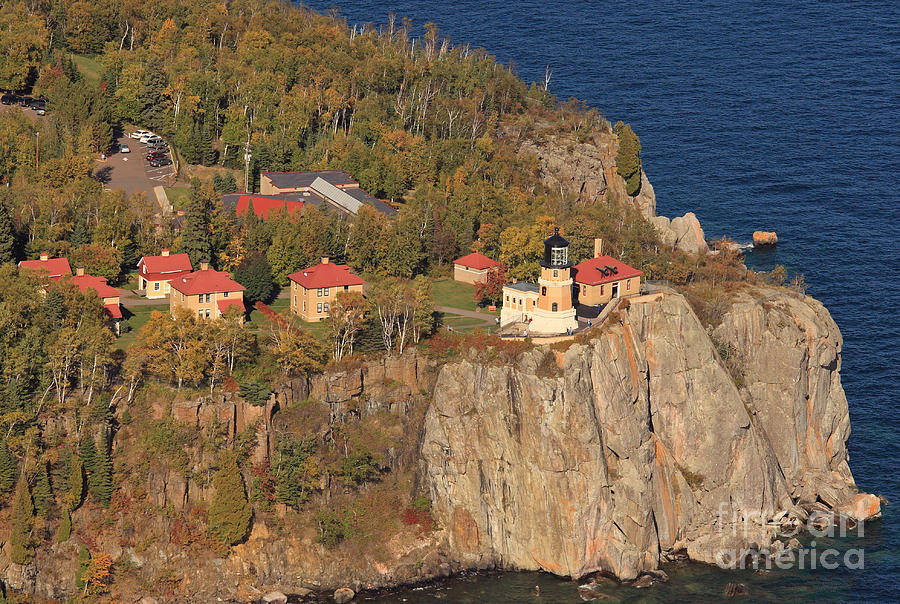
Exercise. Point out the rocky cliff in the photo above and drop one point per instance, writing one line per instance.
(640, 443)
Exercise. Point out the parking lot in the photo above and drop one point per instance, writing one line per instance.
(131, 171)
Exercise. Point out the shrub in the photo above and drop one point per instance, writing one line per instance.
(332, 528)
(358, 468)
(628, 158)
(230, 512)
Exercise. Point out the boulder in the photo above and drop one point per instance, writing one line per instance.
(863, 506)
(274, 597)
(683, 233)
(343, 595)
(764, 238)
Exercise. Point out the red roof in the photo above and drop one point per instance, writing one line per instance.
(588, 273)
(326, 275)
(98, 284)
(163, 268)
(114, 310)
(55, 267)
(263, 206)
(477, 261)
(224, 304)
(206, 282)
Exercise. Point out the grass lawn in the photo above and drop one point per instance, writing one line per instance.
(137, 316)
(179, 197)
(89, 68)
(457, 294)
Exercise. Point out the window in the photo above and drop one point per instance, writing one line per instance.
(155, 286)
(200, 298)
(559, 255)
(319, 308)
(507, 297)
(554, 307)
(200, 313)
(182, 297)
(346, 288)
(601, 290)
(207, 313)
(629, 284)
(208, 297)
(294, 303)
(304, 306)
(319, 292)
(543, 291)
(555, 273)
(584, 290)
(326, 291)
(224, 294)
(325, 307)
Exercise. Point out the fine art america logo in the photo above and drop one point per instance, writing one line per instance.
(820, 525)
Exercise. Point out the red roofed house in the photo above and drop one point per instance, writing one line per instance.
(207, 293)
(602, 278)
(473, 268)
(313, 289)
(54, 268)
(155, 272)
(107, 294)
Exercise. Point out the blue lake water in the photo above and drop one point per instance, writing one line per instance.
(779, 115)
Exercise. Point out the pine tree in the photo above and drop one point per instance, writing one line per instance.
(42, 494)
(88, 455)
(256, 275)
(628, 158)
(65, 527)
(84, 562)
(21, 520)
(75, 494)
(9, 469)
(7, 237)
(101, 486)
(196, 236)
(230, 513)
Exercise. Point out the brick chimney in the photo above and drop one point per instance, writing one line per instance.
(204, 265)
(164, 252)
(598, 247)
(324, 259)
(45, 256)
(79, 271)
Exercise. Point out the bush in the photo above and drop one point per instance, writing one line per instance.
(358, 468)
(332, 528)
(628, 158)
(230, 512)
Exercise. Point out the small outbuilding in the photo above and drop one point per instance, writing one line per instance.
(473, 268)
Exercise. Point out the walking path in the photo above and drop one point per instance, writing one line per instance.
(485, 319)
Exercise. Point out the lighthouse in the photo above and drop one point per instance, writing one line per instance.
(554, 312)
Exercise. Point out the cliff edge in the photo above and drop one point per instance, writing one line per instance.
(640, 443)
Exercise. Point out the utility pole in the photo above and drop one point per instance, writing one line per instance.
(37, 151)
(247, 164)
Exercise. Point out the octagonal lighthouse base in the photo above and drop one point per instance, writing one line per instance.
(547, 322)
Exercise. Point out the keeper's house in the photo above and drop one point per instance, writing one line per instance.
(155, 272)
(473, 268)
(208, 293)
(602, 278)
(313, 289)
(51, 268)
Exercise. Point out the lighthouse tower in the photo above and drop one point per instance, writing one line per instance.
(555, 313)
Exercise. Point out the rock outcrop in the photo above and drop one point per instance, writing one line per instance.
(683, 233)
(642, 443)
(764, 238)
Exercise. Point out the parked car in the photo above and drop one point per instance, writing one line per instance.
(160, 146)
(138, 134)
(41, 111)
(38, 104)
(152, 140)
(160, 162)
(123, 148)
(157, 155)
(25, 101)
(9, 99)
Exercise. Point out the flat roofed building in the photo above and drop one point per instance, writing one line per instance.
(206, 293)
(336, 189)
(155, 272)
(519, 302)
(473, 268)
(314, 289)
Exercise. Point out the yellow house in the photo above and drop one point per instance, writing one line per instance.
(602, 278)
(313, 289)
(473, 268)
(207, 293)
(155, 272)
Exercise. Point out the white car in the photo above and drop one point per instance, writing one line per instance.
(153, 140)
(138, 134)
(123, 148)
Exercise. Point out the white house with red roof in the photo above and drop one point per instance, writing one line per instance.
(155, 272)
(473, 268)
(313, 289)
(602, 278)
(207, 293)
(110, 296)
(52, 268)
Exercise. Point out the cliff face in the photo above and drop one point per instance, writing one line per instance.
(639, 442)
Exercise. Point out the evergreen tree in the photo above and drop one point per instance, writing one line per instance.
(628, 158)
(87, 452)
(42, 494)
(196, 236)
(230, 512)
(81, 234)
(7, 237)
(256, 275)
(65, 527)
(84, 562)
(9, 469)
(54, 305)
(21, 520)
(101, 487)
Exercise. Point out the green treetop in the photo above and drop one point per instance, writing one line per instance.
(230, 512)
